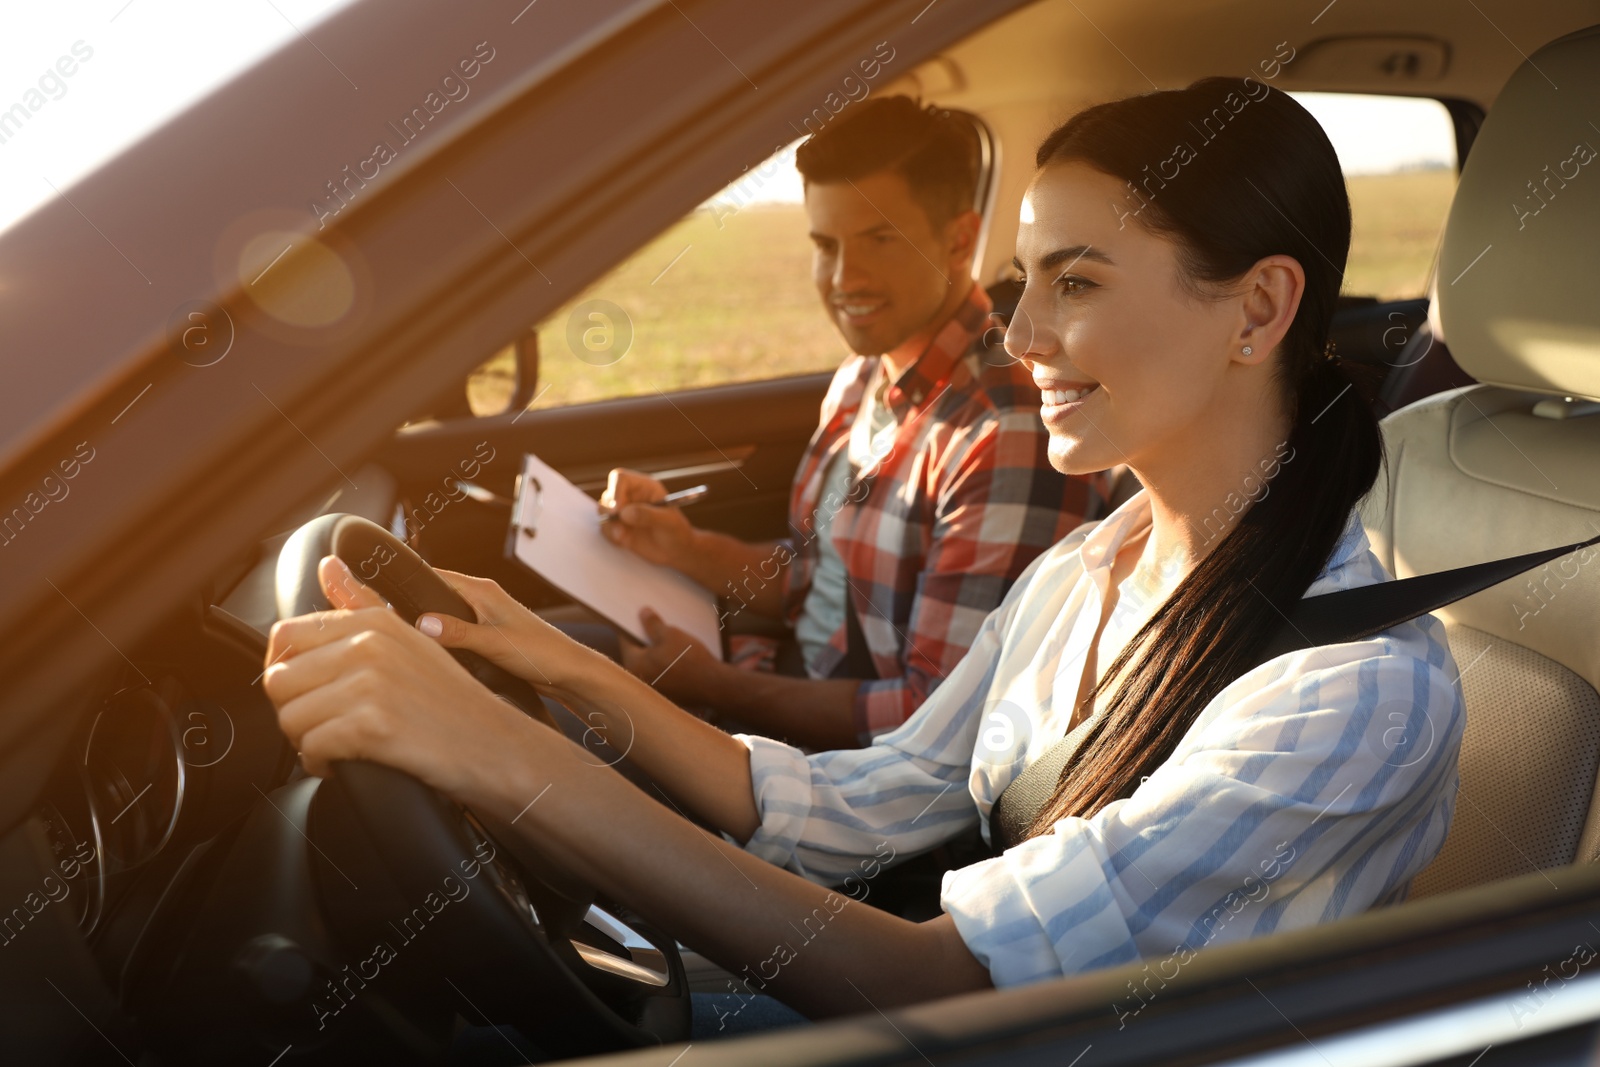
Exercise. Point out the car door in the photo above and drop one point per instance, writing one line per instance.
(742, 440)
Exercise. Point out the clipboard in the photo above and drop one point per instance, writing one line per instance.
(555, 532)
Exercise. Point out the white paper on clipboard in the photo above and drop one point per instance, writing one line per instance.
(556, 533)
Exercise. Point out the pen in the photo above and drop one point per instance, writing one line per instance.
(671, 500)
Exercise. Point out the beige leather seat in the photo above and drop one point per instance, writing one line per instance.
(1513, 465)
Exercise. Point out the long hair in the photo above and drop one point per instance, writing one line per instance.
(1259, 178)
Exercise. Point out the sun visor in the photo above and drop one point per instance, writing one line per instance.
(1519, 266)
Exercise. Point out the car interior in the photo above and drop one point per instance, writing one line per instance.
(221, 906)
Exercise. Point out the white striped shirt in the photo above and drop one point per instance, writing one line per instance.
(1314, 786)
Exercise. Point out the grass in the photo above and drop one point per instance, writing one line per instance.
(708, 303)
(1397, 219)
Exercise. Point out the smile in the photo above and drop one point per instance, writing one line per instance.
(857, 311)
(1059, 397)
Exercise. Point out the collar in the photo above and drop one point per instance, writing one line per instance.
(1351, 563)
(1352, 542)
(923, 379)
(1101, 544)
(1099, 547)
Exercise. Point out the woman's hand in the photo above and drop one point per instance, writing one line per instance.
(359, 683)
(513, 638)
(702, 768)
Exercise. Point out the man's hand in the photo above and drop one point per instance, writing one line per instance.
(660, 535)
(679, 667)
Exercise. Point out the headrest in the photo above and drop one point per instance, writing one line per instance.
(1519, 266)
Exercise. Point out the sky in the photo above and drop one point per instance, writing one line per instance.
(137, 63)
(1377, 134)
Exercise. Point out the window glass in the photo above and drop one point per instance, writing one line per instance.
(724, 295)
(491, 386)
(1399, 160)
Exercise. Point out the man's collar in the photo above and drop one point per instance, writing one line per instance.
(920, 381)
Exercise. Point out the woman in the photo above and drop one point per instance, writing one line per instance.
(1182, 252)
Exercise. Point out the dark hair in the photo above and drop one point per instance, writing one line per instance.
(1230, 170)
(934, 150)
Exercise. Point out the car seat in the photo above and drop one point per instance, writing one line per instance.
(1511, 465)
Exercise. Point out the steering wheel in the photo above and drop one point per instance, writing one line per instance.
(521, 940)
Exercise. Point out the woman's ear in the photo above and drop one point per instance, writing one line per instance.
(1271, 296)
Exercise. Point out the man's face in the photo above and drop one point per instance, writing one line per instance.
(883, 269)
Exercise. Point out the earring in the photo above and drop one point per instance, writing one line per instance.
(1248, 350)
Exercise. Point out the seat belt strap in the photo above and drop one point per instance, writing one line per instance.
(1332, 618)
(1356, 614)
(857, 661)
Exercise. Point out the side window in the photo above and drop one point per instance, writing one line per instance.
(724, 295)
(1399, 160)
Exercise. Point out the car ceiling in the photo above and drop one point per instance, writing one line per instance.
(1073, 52)
(1031, 70)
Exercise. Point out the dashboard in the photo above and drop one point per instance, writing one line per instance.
(178, 746)
(169, 756)
(131, 779)
(187, 891)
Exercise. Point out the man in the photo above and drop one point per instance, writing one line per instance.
(924, 492)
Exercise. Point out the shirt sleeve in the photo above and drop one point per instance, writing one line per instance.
(1313, 787)
(999, 506)
(905, 793)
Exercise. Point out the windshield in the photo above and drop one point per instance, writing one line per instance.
(84, 81)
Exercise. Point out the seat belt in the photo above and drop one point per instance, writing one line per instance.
(857, 661)
(1332, 618)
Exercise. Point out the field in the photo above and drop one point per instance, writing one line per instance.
(1397, 221)
(728, 300)
(707, 304)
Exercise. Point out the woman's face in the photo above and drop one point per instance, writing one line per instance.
(1130, 363)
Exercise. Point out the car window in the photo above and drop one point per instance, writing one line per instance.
(723, 295)
(1399, 160)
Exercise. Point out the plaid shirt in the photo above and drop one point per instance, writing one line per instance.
(933, 537)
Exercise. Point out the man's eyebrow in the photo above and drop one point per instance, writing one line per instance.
(1069, 256)
(867, 232)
